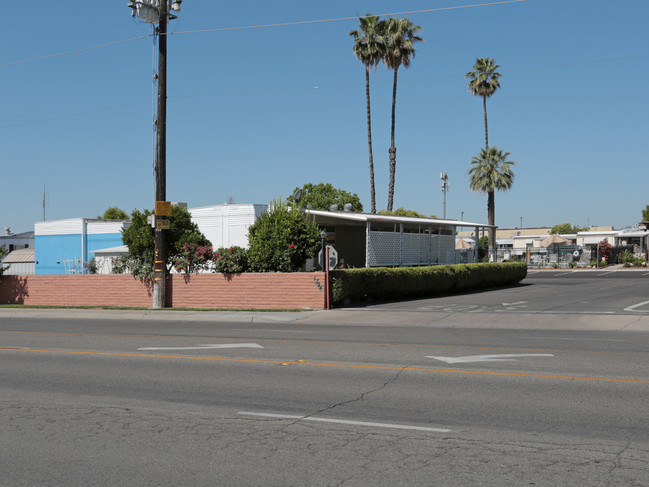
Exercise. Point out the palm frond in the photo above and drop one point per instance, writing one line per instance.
(490, 170)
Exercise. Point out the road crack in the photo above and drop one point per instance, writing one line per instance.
(618, 458)
(637, 319)
(356, 399)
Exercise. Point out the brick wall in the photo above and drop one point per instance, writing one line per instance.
(261, 291)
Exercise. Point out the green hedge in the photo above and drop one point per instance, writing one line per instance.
(384, 283)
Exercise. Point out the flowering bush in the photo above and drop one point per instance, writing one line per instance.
(605, 251)
(192, 258)
(231, 260)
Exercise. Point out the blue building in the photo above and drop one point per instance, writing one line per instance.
(65, 246)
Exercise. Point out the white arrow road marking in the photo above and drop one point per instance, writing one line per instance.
(633, 308)
(515, 304)
(488, 358)
(207, 347)
(344, 421)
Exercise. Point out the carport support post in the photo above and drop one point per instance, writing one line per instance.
(367, 244)
(400, 244)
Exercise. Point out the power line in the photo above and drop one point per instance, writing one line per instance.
(49, 56)
(339, 85)
(340, 19)
(576, 63)
(72, 115)
(281, 24)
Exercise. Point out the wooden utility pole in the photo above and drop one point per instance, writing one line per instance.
(160, 266)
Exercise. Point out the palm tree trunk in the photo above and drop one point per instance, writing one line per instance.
(486, 132)
(491, 215)
(369, 139)
(393, 149)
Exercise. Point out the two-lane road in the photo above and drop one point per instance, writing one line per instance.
(324, 400)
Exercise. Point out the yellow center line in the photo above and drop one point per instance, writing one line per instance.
(328, 342)
(326, 364)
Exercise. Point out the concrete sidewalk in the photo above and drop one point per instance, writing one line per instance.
(158, 315)
(355, 317)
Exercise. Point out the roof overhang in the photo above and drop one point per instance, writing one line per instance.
(324, 216)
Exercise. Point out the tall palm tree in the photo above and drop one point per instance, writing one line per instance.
(369, 45)
(401, 36)
(484, 82)
(491, 171)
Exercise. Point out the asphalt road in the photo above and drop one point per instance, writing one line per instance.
(375, 396)
(592, 292)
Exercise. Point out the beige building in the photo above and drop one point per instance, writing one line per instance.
(526, 232)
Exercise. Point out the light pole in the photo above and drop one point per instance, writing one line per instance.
(157, 12)
(444, 177)
(323, 238)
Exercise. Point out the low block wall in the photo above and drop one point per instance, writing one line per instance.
(249, 291)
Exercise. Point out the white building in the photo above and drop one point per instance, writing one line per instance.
(227, 225)
(104, 258)
(16, 241)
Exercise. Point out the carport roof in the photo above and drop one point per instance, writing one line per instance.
(122, 249)
(20, 256)
(347, 216)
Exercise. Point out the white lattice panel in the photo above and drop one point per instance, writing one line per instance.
(446, 248)
(417, 249)
(383, 249)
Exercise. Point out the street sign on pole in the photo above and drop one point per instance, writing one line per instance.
(163, 208)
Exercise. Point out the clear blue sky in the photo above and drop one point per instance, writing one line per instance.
(253, 113)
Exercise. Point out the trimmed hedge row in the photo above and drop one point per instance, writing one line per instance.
(387, 283)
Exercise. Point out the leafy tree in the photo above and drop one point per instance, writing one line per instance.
(484, 82)
(645, 214)
(114, 213)
(321, 196)
(401, 36)
(282, 239)
(139, 236)
(369, 48)
(491, 171)
(566, 228)
(404, 212)
(3, 252)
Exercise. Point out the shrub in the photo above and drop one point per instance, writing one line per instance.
(627, 259)
(377, 284)
(192, 258)
(231, 260)
(282, 239)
